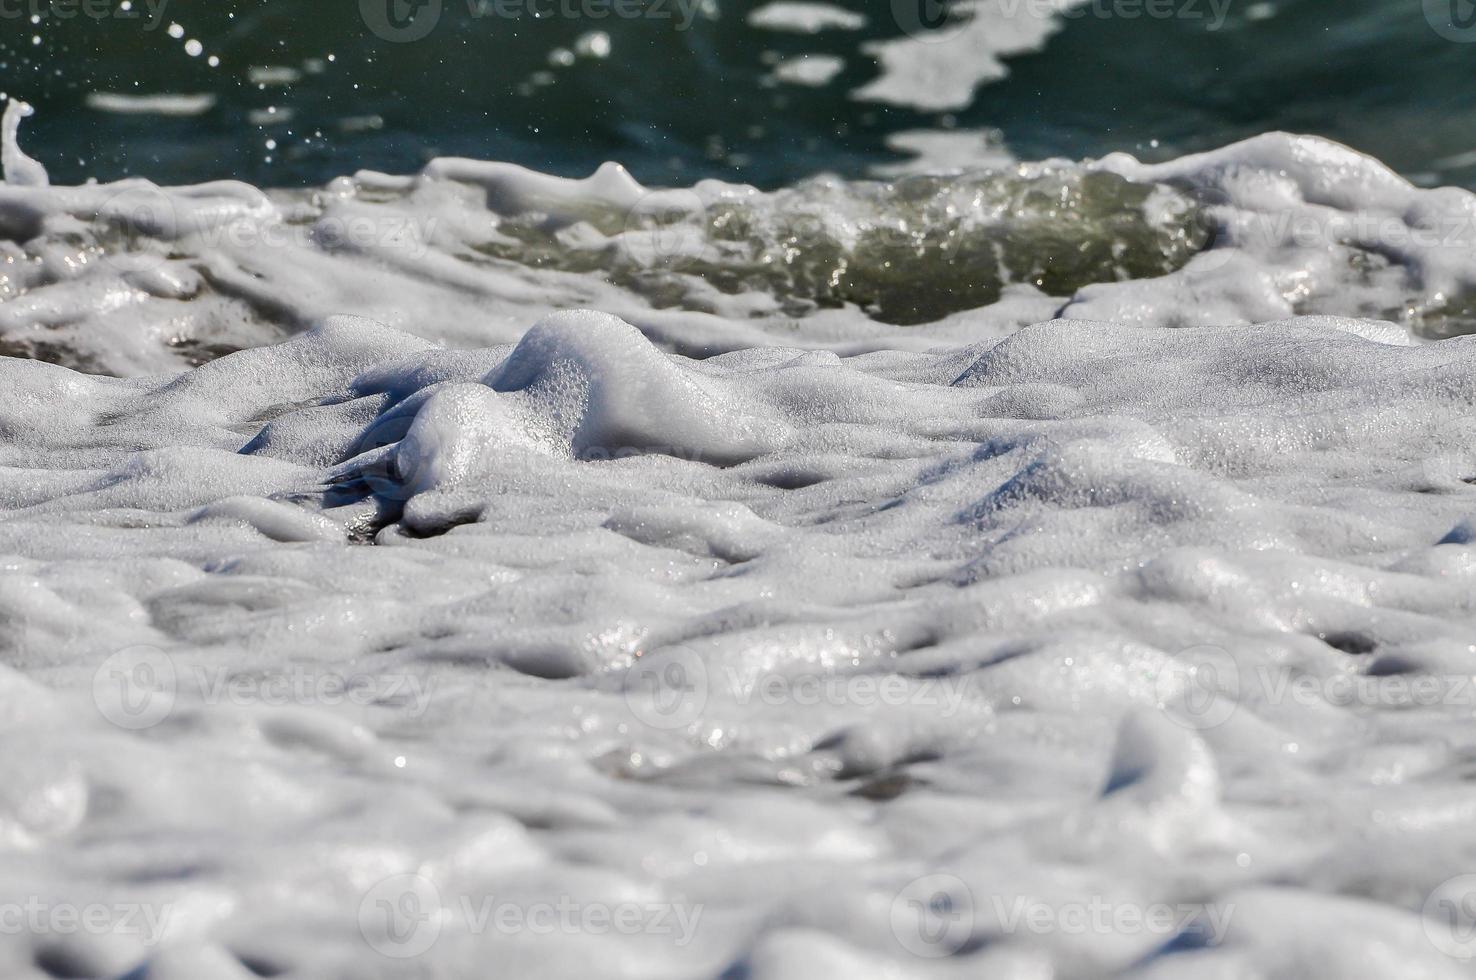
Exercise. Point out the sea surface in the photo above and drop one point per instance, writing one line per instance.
(294, 92)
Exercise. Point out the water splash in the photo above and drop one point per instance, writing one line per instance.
(19, 170)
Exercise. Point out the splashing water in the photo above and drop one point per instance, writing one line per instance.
(18, 169)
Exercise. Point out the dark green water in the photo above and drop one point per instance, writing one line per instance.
(675, 105)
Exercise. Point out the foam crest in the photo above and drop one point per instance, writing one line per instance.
(131, 278)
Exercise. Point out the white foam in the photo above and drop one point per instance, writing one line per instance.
(18, 169)
(813, 70)
(595, 571)
(131, 278)
(773, 630)
(167, 104)
(942, 151)
(939, 67)
(805, 18)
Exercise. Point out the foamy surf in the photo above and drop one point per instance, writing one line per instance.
(1030, 622)
(1057, 570)
(133, 278)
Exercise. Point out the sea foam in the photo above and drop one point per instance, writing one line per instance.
(131, 278)
(514, 579)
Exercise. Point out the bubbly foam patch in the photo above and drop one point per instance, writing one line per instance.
(714, 582)
(131, 278)
(793, 660)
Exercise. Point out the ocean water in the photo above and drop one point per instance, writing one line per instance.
(688, 90)
(754, 494)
